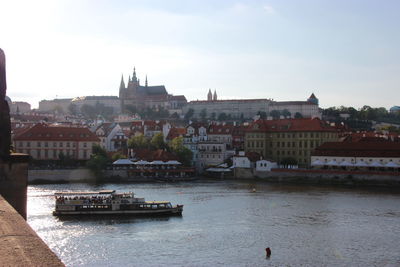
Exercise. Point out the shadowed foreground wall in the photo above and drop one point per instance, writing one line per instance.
(13, 181)
(20, 245)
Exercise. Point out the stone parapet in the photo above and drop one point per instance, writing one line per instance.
(20, 245)
(13, 181)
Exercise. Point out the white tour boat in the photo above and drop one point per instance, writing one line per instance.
(109, 202)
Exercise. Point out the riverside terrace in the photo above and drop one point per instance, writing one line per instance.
(153, 169)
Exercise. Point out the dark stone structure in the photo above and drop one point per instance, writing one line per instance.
(5, 124)
(13, 167)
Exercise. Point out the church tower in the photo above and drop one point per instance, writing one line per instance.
(122, 92)
(209, 95)
(215, 95)
(121, 87)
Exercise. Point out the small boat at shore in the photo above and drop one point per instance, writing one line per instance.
(109, 202)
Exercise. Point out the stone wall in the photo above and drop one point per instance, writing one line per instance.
(321, 176)
(20, 245)
(63, 176)
(13, 181)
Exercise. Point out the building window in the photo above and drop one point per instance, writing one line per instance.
(84, 154)
(28, 144)
(38, 153)
(46, 153)
(67, 144)
(39, 144)
(46, 144)
(61, 144)
(54, 144)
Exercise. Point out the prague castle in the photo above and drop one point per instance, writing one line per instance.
(138, 96)
(248, 108)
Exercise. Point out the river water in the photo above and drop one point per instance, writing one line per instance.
(225, 223)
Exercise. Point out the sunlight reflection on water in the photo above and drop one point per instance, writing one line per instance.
(227, 224)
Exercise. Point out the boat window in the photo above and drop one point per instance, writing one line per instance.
(153, 206)
(162, 205)
(169, 205)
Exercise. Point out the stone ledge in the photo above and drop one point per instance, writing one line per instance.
(20, 245)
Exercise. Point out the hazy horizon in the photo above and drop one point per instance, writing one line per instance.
(345, 52)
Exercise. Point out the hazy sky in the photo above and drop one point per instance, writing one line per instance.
(346, 52)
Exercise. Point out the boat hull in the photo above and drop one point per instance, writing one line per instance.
(159, 212)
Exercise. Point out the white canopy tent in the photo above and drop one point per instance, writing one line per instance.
(332, 163)
(391, 164)
(361, 164)
(157, 162)
(141, 162)
(346, 164)
(173, 162)
(123, 162)
(317, 163)
(375, 164)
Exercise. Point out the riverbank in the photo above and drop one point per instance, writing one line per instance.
(299, 176)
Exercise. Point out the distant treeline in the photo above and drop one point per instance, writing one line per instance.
(361, 118)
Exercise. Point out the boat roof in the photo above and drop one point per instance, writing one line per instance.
(70, 193)
(157, 202)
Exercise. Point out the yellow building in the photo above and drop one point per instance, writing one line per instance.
(288, 140)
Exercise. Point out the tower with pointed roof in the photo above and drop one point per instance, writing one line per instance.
(209, 95)
(215, 95)
(144, 96)
(313, 99)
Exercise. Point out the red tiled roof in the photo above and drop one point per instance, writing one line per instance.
(370, 136)
(229, 100)
(290, 125)
(220, 129)
(151, 155)
(56, 133)
(177, 97)
(176, 132)
(359, 149)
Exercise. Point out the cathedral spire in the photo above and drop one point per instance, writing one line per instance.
(215, 95)
(146, 81)
(134, 78)
(209, 95)
(122, 85)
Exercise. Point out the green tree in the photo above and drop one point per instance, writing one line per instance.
(213, 116)
(184, 154)
(73, 109)
(275, 114)
(262, 114)
(131, 109)
(98, 160)
(286, 113)
(157, 141)
(189, 114)
(298, 115)
(139, 141)
(88, 111)
(203, 114)
(118, 156)
(222, 116)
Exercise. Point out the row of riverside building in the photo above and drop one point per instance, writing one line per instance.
(304, 142)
